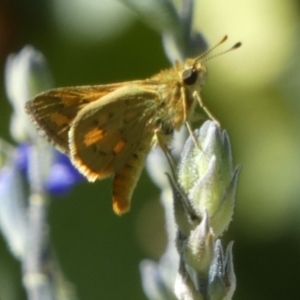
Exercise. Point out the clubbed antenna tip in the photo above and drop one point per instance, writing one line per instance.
(237, 45)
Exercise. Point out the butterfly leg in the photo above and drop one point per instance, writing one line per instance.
(185, 117)
(188, 126)
(197, 97)
(168, 154)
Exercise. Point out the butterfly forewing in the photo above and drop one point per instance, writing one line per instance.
(101, 137)
(54, 111)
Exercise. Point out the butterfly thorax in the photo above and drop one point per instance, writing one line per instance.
(169, 109)
(175, 88)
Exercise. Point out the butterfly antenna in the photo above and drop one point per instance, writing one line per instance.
(224, 38)
(235, 46)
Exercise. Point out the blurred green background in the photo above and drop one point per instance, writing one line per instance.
(253, 91)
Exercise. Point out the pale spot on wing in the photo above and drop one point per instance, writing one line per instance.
(119, 146)
(93, 136)
(59, 119)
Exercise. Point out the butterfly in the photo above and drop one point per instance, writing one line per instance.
(108, 130)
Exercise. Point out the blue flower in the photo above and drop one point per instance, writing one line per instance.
(62, 175)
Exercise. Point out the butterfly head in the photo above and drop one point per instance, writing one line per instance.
(194, 74)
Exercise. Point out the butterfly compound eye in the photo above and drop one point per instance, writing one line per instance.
(189, 76)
